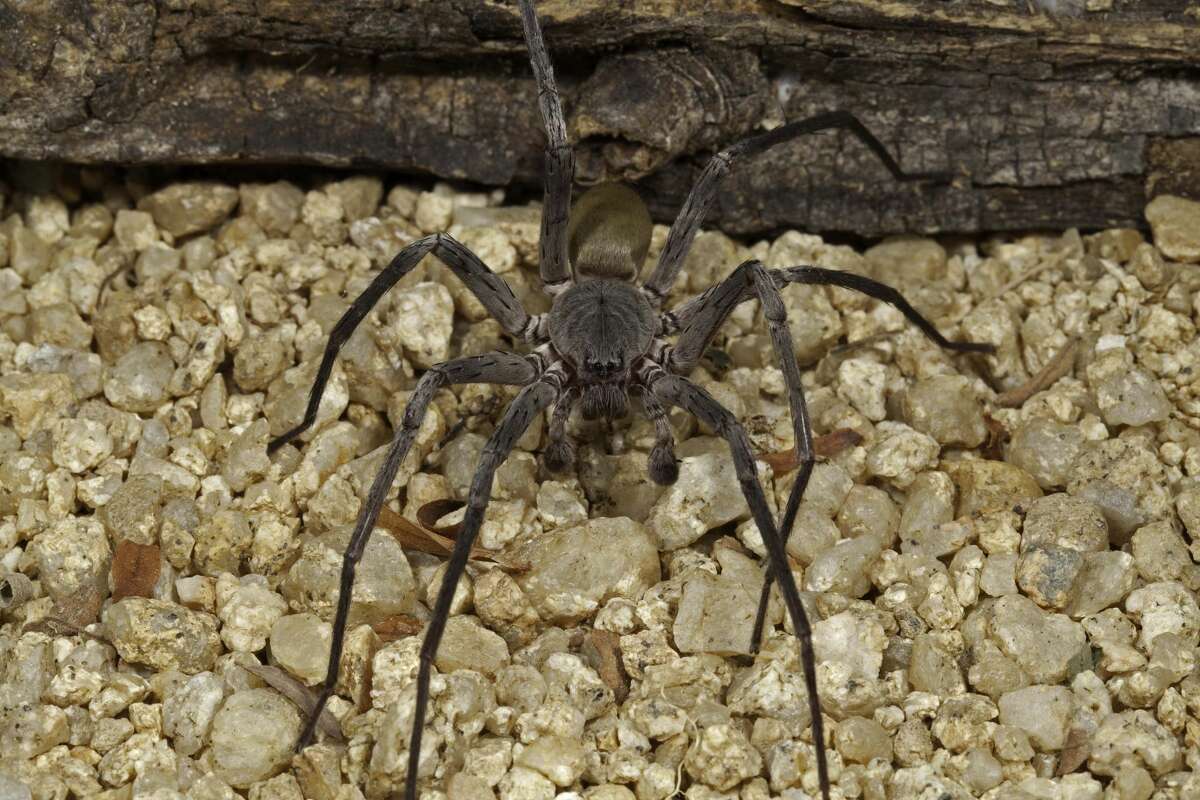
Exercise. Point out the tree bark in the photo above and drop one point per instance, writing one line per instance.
(1049, 114)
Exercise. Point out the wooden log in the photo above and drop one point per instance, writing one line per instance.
(1051, 113)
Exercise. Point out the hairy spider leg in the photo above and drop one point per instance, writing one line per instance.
(554, 265)
(530, 402)
(699, 319)
(487, 286)
(503, 368)
(704, 192)
(676, 390)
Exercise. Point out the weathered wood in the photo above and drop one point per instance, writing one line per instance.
(1049, 119)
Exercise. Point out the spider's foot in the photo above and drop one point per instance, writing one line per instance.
(559, 456)
(662, 466)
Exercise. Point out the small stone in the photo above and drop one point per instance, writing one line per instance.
(860, 740)
(1131, 738)
(1125, 479)
(468, 645)
(138, 381)
(1047, 450)
(706, 496)
(29, 255)
(59, 324)
(929, 503)
(503, 607)
(135, 230)
(185, 208)
(1044, 645)
(991, 486)
(1126, 394)
(868, 511)
(422, 323)
(573, 571)
(522, 783)
(722, 757)
(1048, 575)
(843, 568)
(258, 361)
(360, 195)
(1164, 607)
(1043, 712)
(1159, 552)
(1061, 520)
(223, 540)
(323, 214)
(901, 453)
(383, 587)
(253, 736)
(80, 444)
(163, 635)
(560, 504)
(934, 668)
(1175, 222)
(33, 402)
(73, 558)
(188, 712)
(716, 615)
(433, 211)
(274, 206)
(904, 260)
(300, 644)
(1103, 583)
(861, 383)
(248, 610)
(558, 758)
(947, 408)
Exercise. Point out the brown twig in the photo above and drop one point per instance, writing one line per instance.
(1054, 369)
(415, 537)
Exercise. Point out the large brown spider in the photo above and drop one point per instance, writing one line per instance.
(604, 338)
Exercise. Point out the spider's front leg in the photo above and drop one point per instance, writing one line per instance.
(698, 321)
(559, 160)
(528, 404)
(487, 286)
(502, 368)
(674, 390)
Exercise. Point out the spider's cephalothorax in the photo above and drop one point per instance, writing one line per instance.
(599, 328)
(604, 338)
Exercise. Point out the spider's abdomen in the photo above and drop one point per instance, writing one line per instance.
(608, 233)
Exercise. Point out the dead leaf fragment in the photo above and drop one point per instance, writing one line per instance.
(414, 537)
(825, 446)
(135, 569)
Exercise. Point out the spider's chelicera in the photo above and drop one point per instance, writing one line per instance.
(604, 340)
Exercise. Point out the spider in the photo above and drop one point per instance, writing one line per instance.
(604, 339)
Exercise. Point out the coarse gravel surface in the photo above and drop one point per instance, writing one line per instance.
(999, 552)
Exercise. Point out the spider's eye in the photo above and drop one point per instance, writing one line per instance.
(602, 368)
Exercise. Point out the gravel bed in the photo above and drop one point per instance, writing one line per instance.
(1000, 552)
